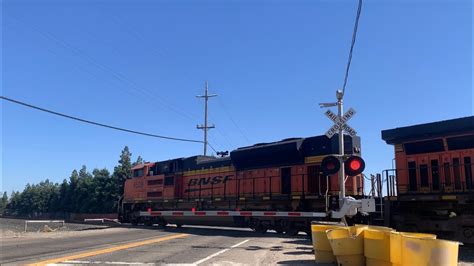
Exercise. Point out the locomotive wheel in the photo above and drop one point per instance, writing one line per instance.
(279, 231)
(162, 224)
(292, 231)
(261, 229)
(179, 226)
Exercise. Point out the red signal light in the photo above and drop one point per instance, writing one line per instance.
(330, 165)
(354, 166)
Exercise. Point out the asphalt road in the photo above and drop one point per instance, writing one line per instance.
(149, 245)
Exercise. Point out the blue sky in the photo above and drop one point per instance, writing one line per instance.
(139, 65)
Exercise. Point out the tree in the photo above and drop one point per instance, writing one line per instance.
(3, 202)
(138, 161)
(82, 193)
(14, 203)
(122, 171)
(69, 203)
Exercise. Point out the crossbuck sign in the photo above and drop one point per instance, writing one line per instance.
(340, 123)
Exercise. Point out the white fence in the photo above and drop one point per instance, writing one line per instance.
(42, 221)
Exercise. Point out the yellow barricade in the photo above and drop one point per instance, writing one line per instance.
(348, 245)
(322, 249)
(377, 245)
(396, 247)
(433, 252)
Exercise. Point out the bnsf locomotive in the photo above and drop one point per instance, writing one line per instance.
(276, 186)
(431, 188)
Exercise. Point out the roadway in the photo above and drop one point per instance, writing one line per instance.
(151, 246)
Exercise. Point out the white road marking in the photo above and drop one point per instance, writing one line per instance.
(218, 253)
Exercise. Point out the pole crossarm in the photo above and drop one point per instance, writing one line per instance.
(205, 127)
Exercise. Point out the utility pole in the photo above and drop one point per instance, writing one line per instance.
(205, 127)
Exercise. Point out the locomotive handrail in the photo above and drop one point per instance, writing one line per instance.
(454, 182)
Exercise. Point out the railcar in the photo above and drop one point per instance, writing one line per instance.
(431, 188)
(276, 185)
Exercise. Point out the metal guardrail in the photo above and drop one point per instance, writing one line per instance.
(42, 221)
(102, 220)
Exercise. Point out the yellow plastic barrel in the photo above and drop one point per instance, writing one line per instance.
(433, 252)
(348, 245)
(396, 247)
(322, 249)
(377, 245)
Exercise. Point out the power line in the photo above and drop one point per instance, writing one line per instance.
(209, 144)
(96, 123)
(115, 74)
(354, 35)
(232, 120)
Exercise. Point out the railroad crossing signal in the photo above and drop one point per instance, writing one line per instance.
(340, 123)
(353, 166)
(330, 165)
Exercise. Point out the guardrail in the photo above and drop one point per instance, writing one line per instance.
(102, 220)
(42, 221)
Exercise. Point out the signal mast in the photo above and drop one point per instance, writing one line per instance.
(339, 163)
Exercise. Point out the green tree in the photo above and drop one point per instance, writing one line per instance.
(138, 161)
(122, 171)
(69, 202)
(103, 190)
(3, 202)
(12, 206)
(84, 200)
(83, 192)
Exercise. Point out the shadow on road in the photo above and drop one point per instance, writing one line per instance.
(225, 231)
(297, 262)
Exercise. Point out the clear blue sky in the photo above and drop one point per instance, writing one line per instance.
(139, 64)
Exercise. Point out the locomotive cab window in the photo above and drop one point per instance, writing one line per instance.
(460, 143)
(424, 147)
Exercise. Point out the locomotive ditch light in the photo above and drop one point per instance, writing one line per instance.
(330, 165)
(354, 165)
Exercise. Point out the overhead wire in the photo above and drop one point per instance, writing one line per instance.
(354, 35)
(232, 120)
(96, 123)
(118, 76)
(127, 27)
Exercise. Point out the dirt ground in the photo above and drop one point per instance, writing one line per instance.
(16, 227)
